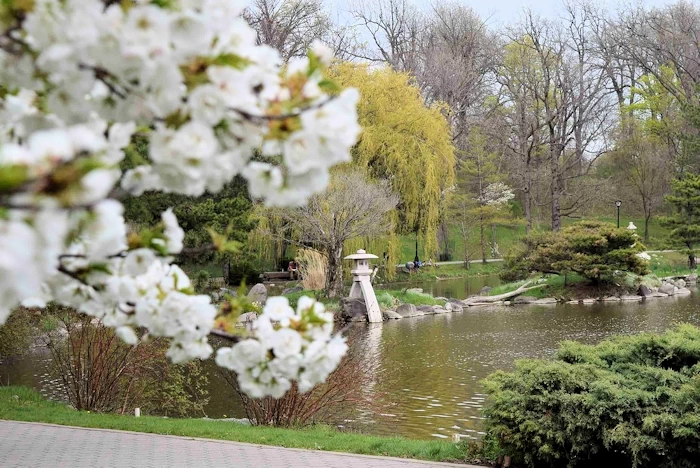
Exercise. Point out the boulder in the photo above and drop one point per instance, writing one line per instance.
(258, 293)
(630, 298)
(545, 301)
(415, 290)
(659, 294)
(692, 279)
(611, 299)
(576, 301)
(668, 289)
(391, 315)
(644, 291)
(524, 300)
(680, 283)
(683, 292)
(440, 298)
(454, 306)
(215, 297)
(485, 291)
(353, 309)
(292, 290)
(588, 301)
(246, 320)
(440, 310)
(408, 310)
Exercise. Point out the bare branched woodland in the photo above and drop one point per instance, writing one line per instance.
(581, 110)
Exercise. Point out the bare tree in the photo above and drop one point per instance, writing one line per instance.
(394, 28)
(668, 36)
(290, 25)
(351, 207)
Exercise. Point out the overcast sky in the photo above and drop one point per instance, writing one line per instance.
(499, 12)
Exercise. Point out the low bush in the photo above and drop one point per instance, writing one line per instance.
(628, 401)
(327, 403)
(99, 372)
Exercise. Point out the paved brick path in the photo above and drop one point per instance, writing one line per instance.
(47, 445)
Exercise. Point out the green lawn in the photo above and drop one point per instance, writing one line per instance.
(508, 237)
(23, 404)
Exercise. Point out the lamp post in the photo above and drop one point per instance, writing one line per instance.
(618, 203)
(416, 260)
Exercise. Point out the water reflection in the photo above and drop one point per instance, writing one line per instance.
(427, 369)
(432, 365)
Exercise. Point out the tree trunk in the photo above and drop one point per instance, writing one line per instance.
(647, 217)
(692, 261)
(483, 239)
(334, 277)
(528, 211)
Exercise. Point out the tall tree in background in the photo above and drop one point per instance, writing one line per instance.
(642, 161)
(685, 223)
(480, 193)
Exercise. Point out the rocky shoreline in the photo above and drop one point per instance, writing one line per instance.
(352, 310)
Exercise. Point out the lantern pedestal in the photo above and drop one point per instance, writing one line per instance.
(362, 286)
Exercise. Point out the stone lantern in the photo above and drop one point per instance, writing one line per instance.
(362, 286)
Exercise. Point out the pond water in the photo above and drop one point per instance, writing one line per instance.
(427, 369)
(458, 288)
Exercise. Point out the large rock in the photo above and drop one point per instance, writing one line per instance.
(659, 294)
(425, 309)
(611, 299)
(415, 290)
(683, 292)
(353, 309)
(589, 301)
(258, 293)
(292, 290)
(667, 288)
(644, 291)
(408, 310)
(545, 301)
(680, 283)
(485, 291)
(391, 315)
(440, 310)
(454, 306)
(524, 300)
(246, 320)
(692, 279)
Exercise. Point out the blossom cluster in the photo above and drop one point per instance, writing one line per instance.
(85, 86)
(497, 194)
(287, 345)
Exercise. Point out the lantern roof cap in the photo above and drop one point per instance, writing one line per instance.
(360, 255)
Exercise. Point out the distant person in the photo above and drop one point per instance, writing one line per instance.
(292, 269)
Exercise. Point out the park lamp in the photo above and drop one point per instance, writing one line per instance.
(618, 204)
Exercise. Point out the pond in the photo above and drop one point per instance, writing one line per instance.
(428, 369)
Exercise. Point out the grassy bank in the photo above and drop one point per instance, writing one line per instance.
(23, 404)
(509, 237)
(430, 273)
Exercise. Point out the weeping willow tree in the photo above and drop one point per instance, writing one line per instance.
(404, 142)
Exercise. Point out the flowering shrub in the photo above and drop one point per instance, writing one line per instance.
(81, 81)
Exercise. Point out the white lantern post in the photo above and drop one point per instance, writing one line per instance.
(362, 286)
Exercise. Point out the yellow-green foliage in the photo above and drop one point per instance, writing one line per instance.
(403, 141)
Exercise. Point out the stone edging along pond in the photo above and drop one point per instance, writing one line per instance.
(675, 286)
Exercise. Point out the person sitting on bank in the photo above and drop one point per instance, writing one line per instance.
(292, 269)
